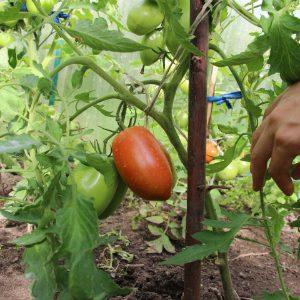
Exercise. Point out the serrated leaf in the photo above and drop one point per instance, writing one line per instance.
(81, 275)
(103, 283)
(276, 222)
(97, 36)
(168, 246)
(77, 223)
(32, 238)
(54, 129)
(227, 129)
(155, 246)
(252, 57)
(155, 230)
(17, 143)
(210, 243)
(155, 219)
(285, 50)
(39, 268)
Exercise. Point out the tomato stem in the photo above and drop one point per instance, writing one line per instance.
(273, 246)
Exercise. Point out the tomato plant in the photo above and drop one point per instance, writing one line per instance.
(80, 59)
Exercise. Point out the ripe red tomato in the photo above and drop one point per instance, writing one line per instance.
(143, 164)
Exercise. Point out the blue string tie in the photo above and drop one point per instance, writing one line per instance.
(225, 98)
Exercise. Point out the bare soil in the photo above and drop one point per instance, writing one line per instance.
(252, 267)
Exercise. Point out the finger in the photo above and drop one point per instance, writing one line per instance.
(280, 166)
(296, 171)
(260, 155)
(273, 105)
(256, 135)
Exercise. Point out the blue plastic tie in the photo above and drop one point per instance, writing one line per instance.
(225, 98)
(24, 7)
(57, 61)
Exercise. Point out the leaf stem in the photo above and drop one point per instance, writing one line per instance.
(273, 246)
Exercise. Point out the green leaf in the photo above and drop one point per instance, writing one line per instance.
(227, 129)
(155, 246)
(276, 222)
(228, 157)
(295, 223)
(17, 143)
(252, 57)
(168, 246)
(278, 295)
(12, 14)
(285, 50)
(210, 243)
(32, 238)
(97, 36)
(81, 275)
(41, 269)
(77, 77)
(77, 223)
(12, 57)
(155, 230)
(104, 283)
(54, 129)
(155, 219)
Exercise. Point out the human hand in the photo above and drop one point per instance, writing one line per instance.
(278, 139)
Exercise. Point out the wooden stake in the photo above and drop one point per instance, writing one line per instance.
(196, 150)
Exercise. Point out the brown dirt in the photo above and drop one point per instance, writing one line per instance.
(252, 268)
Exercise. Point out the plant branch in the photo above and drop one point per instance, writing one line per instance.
(273, 246)
(93, 103)
(244, 13)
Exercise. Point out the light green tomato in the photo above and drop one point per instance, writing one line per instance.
(6, 39)
(92, 184)
(182, 119)
(47, 6)
(184, 86)
(156, 42)
(144, 18)
(243, 167)
(229, 173)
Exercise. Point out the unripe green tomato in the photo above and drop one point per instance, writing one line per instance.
(47, 6)
(229, 173)
(6, 39)
(144, 18)
(184, 86)
(182, 119)
(243, 167)
(92, 184)
(156, 42)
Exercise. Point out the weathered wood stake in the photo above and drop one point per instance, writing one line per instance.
(196, 149)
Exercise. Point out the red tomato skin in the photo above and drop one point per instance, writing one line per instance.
(143, 164)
